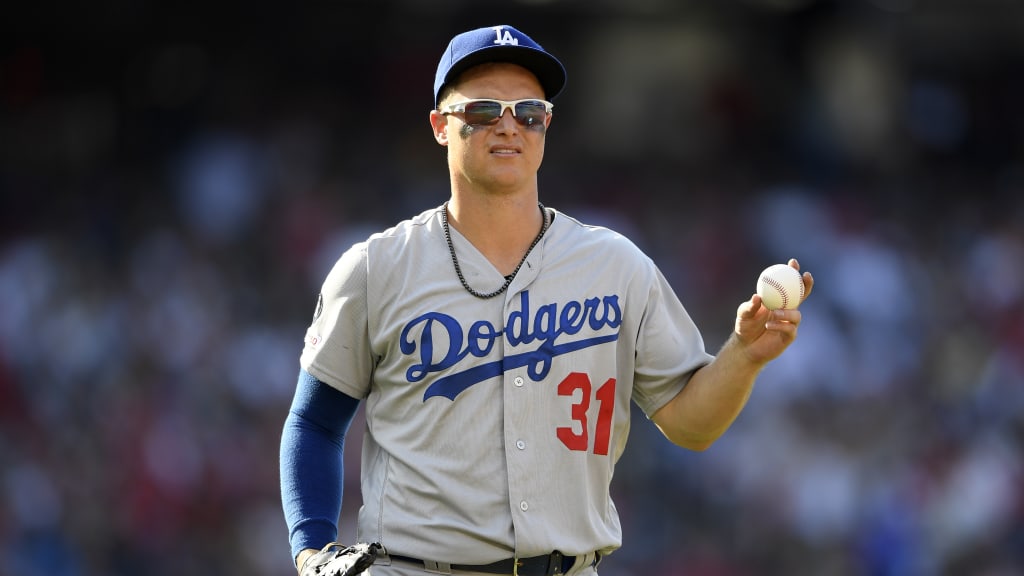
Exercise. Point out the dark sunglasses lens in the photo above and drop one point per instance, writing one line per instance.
(482, 113)
(530, 113)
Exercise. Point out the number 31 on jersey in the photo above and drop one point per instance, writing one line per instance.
(577, 436)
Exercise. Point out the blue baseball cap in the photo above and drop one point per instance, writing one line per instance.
(499, 44)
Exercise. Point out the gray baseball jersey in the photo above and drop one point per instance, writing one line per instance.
(493, 426)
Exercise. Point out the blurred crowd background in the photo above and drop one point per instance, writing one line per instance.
(177, 178)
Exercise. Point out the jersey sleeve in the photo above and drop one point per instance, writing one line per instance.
(669, 348)
(337, 348)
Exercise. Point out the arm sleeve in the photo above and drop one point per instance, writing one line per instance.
(312, 446)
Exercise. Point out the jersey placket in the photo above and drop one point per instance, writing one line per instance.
(521, 406)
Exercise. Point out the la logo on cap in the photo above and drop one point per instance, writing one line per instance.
(508, 44)
(505, 40)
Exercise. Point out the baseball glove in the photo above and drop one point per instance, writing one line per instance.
(339, 560)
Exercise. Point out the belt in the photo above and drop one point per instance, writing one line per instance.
(548, 565)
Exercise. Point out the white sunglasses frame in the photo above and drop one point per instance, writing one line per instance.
(460, 107)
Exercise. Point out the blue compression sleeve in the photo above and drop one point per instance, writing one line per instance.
(312, 446)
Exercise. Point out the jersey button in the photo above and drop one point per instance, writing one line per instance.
(520, 444)
(524, 506)
(518, 381)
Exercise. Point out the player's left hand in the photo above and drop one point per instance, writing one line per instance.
(338, 560)
(764, 334)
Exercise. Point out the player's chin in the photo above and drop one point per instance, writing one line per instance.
(508, 177)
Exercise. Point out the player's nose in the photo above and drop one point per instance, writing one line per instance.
(507, 122)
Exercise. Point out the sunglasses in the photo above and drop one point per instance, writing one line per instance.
(485, 112)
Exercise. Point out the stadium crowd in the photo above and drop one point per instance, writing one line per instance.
(171, 202)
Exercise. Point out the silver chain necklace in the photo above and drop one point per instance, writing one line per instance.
(510, 277)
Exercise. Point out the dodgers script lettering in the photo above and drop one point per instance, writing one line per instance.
(441, 342)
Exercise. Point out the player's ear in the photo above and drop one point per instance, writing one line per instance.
(439, 122)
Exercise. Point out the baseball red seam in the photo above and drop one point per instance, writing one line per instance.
(775, 284)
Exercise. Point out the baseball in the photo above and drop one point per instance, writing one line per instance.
(780, 286)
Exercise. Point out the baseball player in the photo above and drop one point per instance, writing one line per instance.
(497, 344)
